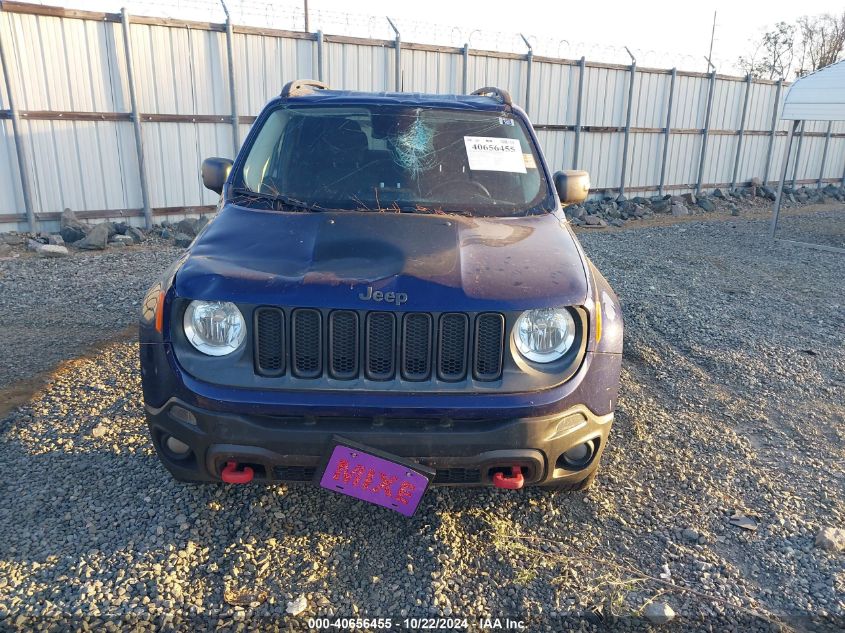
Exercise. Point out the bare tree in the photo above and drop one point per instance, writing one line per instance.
(773, 55)
(787, 50)
(822, 41)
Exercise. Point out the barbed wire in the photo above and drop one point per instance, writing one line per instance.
(291, 16)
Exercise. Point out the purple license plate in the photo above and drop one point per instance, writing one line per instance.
(383, 479)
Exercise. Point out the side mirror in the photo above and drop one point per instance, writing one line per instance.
(215, 171)
(572, 186)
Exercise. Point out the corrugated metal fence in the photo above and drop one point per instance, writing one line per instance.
(67, 71)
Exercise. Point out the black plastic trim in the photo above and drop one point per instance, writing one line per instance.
(369, 344)
(356, 352)
(295, 316)
(429, 347)
(453, 376)
(259, 368)
(500, 345)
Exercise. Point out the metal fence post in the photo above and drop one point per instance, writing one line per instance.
(23, 166)
(741, 129)
(582, 66)
(667, 130)
(705, 132)
(530, 59)
(320, 55)
(798, 154)
(773, 133)
(233, 93)
(465, 74)
(779, 195)
(824, 153)
(397, 79)
(136, 120)
(623, 175)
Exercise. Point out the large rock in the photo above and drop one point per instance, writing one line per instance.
(706, 204)
(661, 206)
(13, 239)
(52, 250)
(182, 240)
(122, 240)
(71, 229)
(97, 238)
(679, 210)
(831, 539)
(689, 198)
(659, 613)
(136, 234)
(718, 193)
(55, 240)
(768, 192)
(594, 220)
(189, 226)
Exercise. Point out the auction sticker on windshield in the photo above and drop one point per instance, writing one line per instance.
(374, 476)
(494, 154)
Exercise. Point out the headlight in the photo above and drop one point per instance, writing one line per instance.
(215, 328)
(544, 335)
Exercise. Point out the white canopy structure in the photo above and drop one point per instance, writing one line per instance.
(819, 96)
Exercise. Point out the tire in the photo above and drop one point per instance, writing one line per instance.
(578, 485)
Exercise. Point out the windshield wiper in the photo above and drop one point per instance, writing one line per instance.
(277, 201)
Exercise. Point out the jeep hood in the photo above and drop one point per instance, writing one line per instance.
(441, 262)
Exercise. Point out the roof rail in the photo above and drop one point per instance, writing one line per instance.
(490, 91)
(300, 87)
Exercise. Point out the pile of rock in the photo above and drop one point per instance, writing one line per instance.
(619, 210)
(97, 237)
(182, 232)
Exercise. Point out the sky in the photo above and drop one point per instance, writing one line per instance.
(660, 33)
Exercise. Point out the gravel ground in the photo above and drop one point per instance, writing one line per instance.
(732, 410)
(827, 230)
(54, 308)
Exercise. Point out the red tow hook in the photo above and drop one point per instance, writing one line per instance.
(231, 475)
(514, 482)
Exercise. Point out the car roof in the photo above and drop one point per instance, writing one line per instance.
(407, 99)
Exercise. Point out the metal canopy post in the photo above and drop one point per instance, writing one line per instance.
(465, 73)
(530, 59)
(843, 178)
(233, 93)
(779, 196)
(397, 79)
(773, 133)
(23, 166)
(582, 66)
(741, 129)
(667, 131)
(136, 121)
(320, 72)
(706, 131)
(625, 142)
(798, 154)
(824, 153)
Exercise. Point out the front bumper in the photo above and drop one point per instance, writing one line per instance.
(463, 452)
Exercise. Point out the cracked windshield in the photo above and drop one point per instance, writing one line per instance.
(391, 158)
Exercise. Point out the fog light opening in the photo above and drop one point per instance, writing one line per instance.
(183, 415)
(578, 456)
(175, 448)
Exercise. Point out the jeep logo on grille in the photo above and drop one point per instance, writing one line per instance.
(397, 298)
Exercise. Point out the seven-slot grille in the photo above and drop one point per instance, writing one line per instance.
(380, 346)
